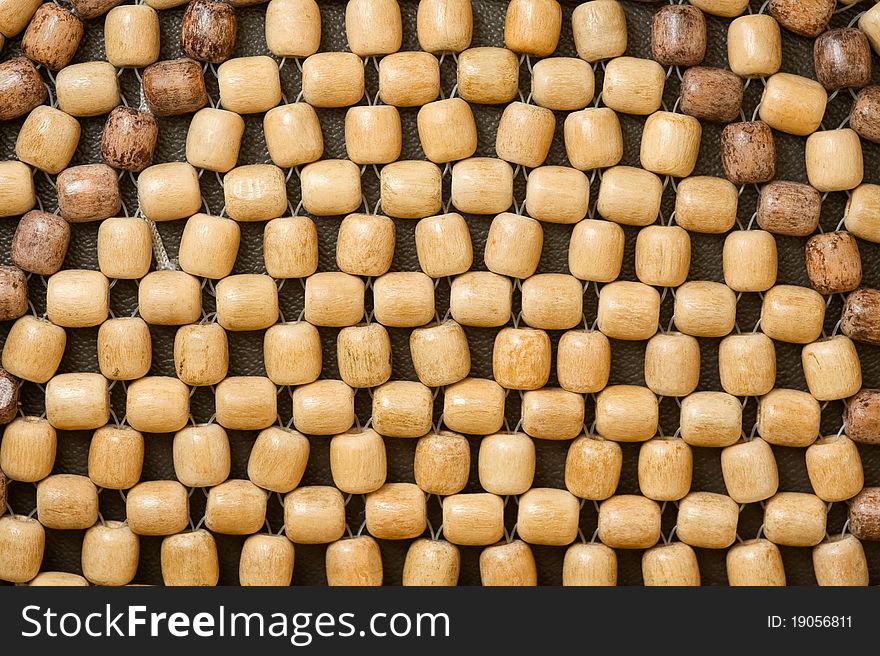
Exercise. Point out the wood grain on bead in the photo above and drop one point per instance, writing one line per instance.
(208, 31)
(748, 152)
(712, 94)
(21, 88)
(52, 36)
(789, 208)
(678, 35)
(803, 17)
(174, 87)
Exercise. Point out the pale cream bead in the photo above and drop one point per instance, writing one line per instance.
(788, 417)
(562, 83)
(17, 194)
(440, 353)
(201, 354)
(110, 554)
(832, 368)
(403, 299)
(333, 79)
(266, 560)
(552, 413)
(626, 413)
(795, 519)
(506, 463)
(76, 298)
(834, 160)
(629, 521)
(292, 353)
(633, 85)
(290, 247)
(236, 507)
(58, 579)
(869, 23)
(747, 364)
(794, 314)
(548, 516)
(750, 260)
(373, 27)
(673, 564)
(247, 301)
(533, 26)
(354, 561)
(201, 455)
(672, 364)
(835, 468)
(334, 299)
(840, 561)
(583, 361)
(557, 194)
(593, 138)
(358, 462)
(246, 402)
(707, 520)
(665, 469)
(705, 309)
(725, 8)
(750, 471)
(599, 30)
(27, 452)
(256, 192)
(481, 299)
(293, 134)
(629, 195)
(116, 457)
(78, 401)
(373, 134)
(402, 408)
(474, 406)
(169, 298)
(754, 563)
(445, 25)
(447, 130)
(521, 358)
(663, 255)
(190, 559)
(214, 139)
(488, 75)
(862, 210)
(125, 248)
(67, 501)
(754, 46)
(711, 419)
(48, 139)
(411, 189)
(363, 355)
(525, 134)
(325, 407)
(15, 16)
(409, 79)
(293, 27)
(628, 310)
(249, 85)
(706, 204)
(670, 144)
(592, 467)
(278, 459)
(431, 562)
(124, 348)
(396, 511)
(157, 508)
(87, 89)
(209, 246)
(552, 301)
(157, 404)
(514, 245)
(169, 191)
(314, 515)
(442, 463)
(473, 519)
(482, 185)
(793, 104)
(22, 543)
(589, 564)
(33, 349)
(331, 187)
(595, 250)
(443, 245)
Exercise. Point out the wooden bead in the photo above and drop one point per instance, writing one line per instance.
(292, 353)
(754, 46)
(440, 354)
(834, 160)
(266, 560)
(131, 36)
(748, 152)
(562, 83)
(521, 358)
(87, 89)
(409, 79)
(67, 501)
(333, 79)
(27, 452)
(864, 514)
(364, 245)
(201, 455)
(174, 87)
(354, 561)
(325, 407)
(442, 463)
(548, 516)
(663, 255)
(445, 25)
(481, 298)
(672, 364)
(17, 194)
(869, 23)
(788, 417)
(557, 194)
(373, 27)
(257, 192)
(633, 85)
(208, 31)
(22, 543)
(431, 563)
(201, 354)
(403, 299)
(865, 113)
(443, 245)
(169, 298)
(209, 246)
(363, 355)
(447, 130)
(334, 299)
(749, 470)
(33, 349)
(214, 139)
(678, 36)
(705, 309)
(842, 59)
(835, 468)
(747, 364)
(169, 191)
(808, 18)
(158, 404)
(88, 9)
(552, 301)
(618, 191)
(599, 30)
(190, 559)
(665, 469)
(157, 508)
(357, 461)
(124, 348)
(794, 519)
(88, 193)
(840, 561)
(707, 520)
(116, 457)
(488, 75)
(396, 511)
(21, 88)
(789, 208)
(859, 319)
(247, 301)
(628, 310)
(533, 26)
(793, 104)
(626, 413)
(246, 403)
(514, 245)
(473, 519)
(9, 396)
(236, 507)
(402, 408)
(482, 185)
(110, 554)
(506, 463)
(792, 314)
(673, 564)
(474, 406)
(831, 368)
(629, 521)
(373, 134)
(249, 85)
(293, 135)
(711, 94)
(48, 139)
(511, 564)
(754, 563)
(583, 361)
(40, 242)
(711, 419)
(290, 247)
(592, 467)
(52, 37)
(750, 261)
(329, 188)
(314, 515)
(77, 401)
(129, 139)
(552, 414)
(670, 144)
(525, 134)
(589, 565)
(293, 27)
(861, 208)
(725, 8)
(833, 262)
(278, 459)
(410, 189)
(861, 418)
(77, 298)
(706, 204)
(15, 15)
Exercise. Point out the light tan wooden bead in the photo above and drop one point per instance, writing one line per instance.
(325, 407)
(672, 564)
(672, 364)
(131, 36)
(125, 249)
(533, 26)
(583, 361)
(473, 519)
(17, 194)
(788, 417)
(705, 309)
(214, 139)
(626, 413)
(330, 187)
(832, 368)
(750, 260)
(707, 520)
(557, 194)
(110, 554)
(552, 301)
(246, 403)
(440, 353)
(209, 246)
(293, 134)
(548, 516)
(474, 406)
(595, 250)
(157, 508)
(670, 144)
(482, 185)
(67, 501)
(266, 560)
(445, 25)
(442, 463)
(247, 301)
(236, 507)
(78, 401)
(795, 519)
(33, 349)
(364, 244)
(711, 419)
(628, 310)
(201, 455)
(562, 83)
(373, 134)
(793, 104)
(629, 521)
(15, 16)
(58, 580)
(747, 364)
(510, 564)
(666, 468)
(629, 195)
(257, 192)
(599, 30)
(290, 247)
(373, 27)
(165, 4)
(363, 355)
(116, 457)
(396, 511)
(402, 408)
(869, 23)
(706, 204)
(77, 298)
(488, 76)
(755, 563)
(249, 85)
(431, 562)
(48, 139)
(792, 314)
(506, 463)
(169, 191)
(293, 27)
(835, 468)
(27, 451)
(754, 46)
(157, 404)
(190, 559)
(861, 212)
(589, 564)
(447, 130)
(354, 562)
(725, 8)
(87, 89)
(403, 299)
(840, 561)
(358, 461)
(22, 543)
(592, 467)
(125, 351)
(278, 459)
(481, 299)
(593, 138)
(663, 255)
(411, 189)
(334, 299)
(201, 354)
(633, 85)
(514, 245)
(314, 515)
(409, 79)
(749, 470)
(525, 134)
(443, 245)
(333, 79)
(834, 160)
(552, 413)
(521, 358)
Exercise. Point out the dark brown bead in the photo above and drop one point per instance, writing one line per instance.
(861, 418)
(789, 208)
(8, 396)
(88, 193)
(864, 514)
(864, 116)
(748, 152)
(804, 17)
(13, 293)
(842, 58)
(833, 262)
(3, 485)
(52, 37)
(245, 3)
(860, 319)
(678, 35)
(87, 9)
(21, 88)
(208, 31)
(712, 94)
(129, 139)
(175, 87)
(40, 242)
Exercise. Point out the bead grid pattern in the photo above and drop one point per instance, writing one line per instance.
(373, 441)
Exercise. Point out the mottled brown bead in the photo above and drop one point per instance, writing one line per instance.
(789, 208)
(13, 293)
(678, 35)
(21, 88)
(842, 58)
(88, 193)
(804, 17)
(861, 418)
(860, 319)
(864, 514)
(8, 396)
(833, 262)
(129, 139)
(87, 9)
(208, 31)
(52, 37)
(40, 243)
(864, 117)
(173, 87)
(712, 94)
(748, 152)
